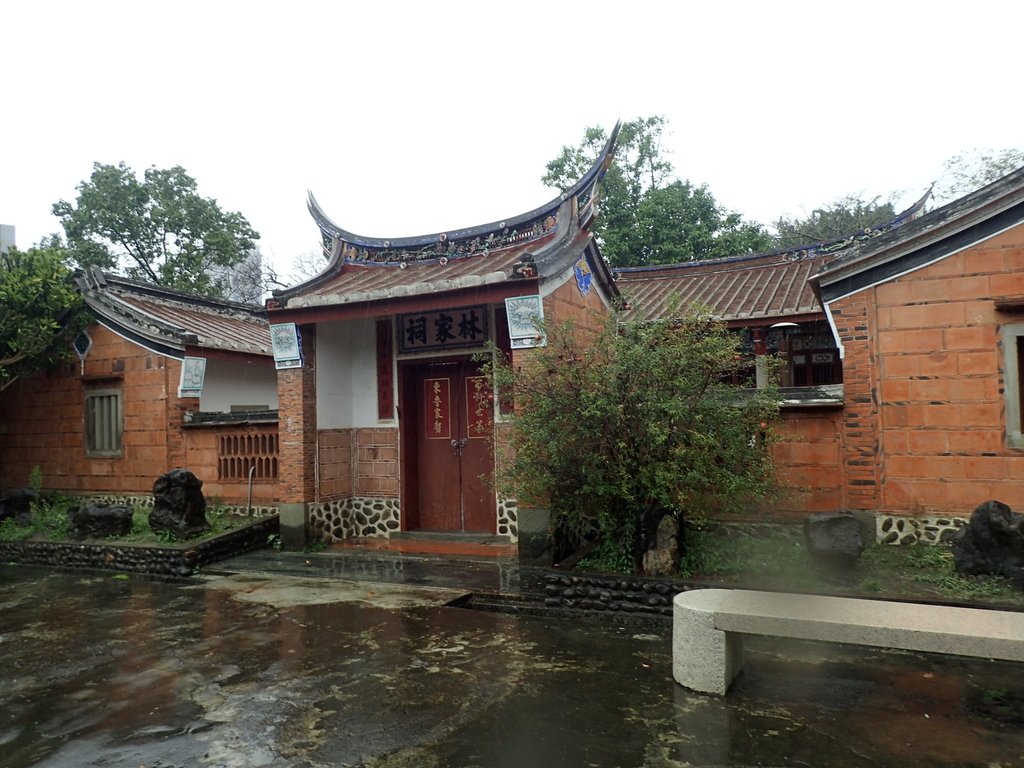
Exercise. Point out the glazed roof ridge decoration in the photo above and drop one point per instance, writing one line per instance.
(751, 289)
(471, 240)
(796, 253)
(977, 215)
(533, 247)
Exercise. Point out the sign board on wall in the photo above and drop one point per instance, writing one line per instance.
(287, 345)
(524, 315)
(193, 373)
(443, 329)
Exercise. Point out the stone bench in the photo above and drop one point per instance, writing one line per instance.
(708, 625)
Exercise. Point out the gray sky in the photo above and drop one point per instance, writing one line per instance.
(408, 118)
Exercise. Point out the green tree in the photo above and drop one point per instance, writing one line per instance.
(616, 430)
(648, 215)
(843, 217)
(157, 230)
(968, 171)
(40, 311)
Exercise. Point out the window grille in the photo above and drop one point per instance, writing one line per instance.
(104, 422)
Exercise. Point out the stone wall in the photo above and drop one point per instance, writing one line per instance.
(354, 517)
(608, 593)
(171, 562)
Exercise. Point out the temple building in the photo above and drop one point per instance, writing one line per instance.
(386, 422)
(360, 408)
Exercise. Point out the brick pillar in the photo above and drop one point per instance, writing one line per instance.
(177, 456)
(860, 420)
(296, 397)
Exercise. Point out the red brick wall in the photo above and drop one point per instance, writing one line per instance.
(42, 421)
(202, 451)
(855, 322)
(809, 457)
(296, 397)
(940, 381)
(334, 453)
(566, 303)
(376, 462)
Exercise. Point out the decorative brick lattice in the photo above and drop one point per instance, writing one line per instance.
(239, 454)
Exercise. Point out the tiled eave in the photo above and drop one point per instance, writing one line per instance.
(755, 290)
(170, 323)
(398, 291)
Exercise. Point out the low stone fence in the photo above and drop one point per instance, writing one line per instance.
(601, 592)
(169, 561)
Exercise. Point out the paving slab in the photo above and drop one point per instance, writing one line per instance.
(285, 591)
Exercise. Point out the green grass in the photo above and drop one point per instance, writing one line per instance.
(50, 523)
(780, 561)
(608, 558)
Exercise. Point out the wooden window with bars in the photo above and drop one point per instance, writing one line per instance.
(104, 422)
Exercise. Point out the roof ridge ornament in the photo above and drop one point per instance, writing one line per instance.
(468, 241)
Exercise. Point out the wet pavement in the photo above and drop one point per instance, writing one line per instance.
(321, 660)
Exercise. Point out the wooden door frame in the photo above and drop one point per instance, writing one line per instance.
(408, 416)
(408, 413)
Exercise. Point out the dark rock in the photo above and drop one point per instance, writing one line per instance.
(98, 521)
(833, 539)
(179, 506)
(17, 505)
(992, 542)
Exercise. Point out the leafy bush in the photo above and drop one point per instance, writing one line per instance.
(616, 428)
(49, 521)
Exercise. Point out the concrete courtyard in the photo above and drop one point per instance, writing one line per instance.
(249, 668)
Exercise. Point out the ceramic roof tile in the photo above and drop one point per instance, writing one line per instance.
(168, 321)
(742, 288)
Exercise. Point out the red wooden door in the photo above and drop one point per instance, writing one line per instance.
(454, 454)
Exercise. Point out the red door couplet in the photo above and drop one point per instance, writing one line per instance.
(454, 455)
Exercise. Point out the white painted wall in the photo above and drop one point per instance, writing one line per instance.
(346, 374)
(230, 383)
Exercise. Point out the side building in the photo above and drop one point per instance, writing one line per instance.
(929, 321)
(901, 359)
(161, 380)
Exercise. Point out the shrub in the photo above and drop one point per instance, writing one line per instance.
(616, 428)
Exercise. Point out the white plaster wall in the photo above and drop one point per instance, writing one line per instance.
(230, 383)
(346, 374)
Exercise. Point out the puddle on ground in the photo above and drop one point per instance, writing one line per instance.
(291, 591)
(243, 672)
